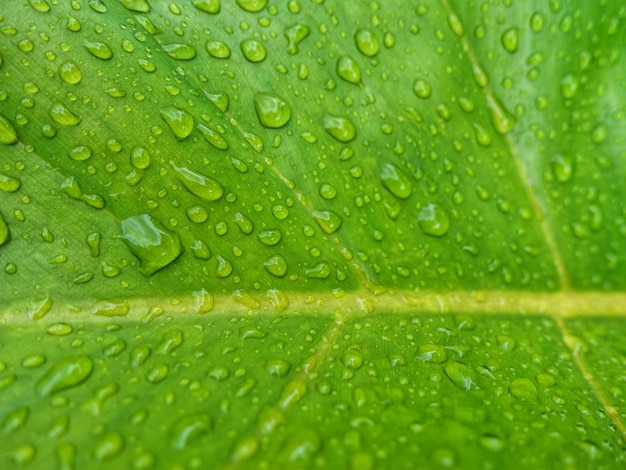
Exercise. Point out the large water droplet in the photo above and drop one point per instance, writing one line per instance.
(179, 51)
(422, 88)
(140, 158)
(366, 42)
(340, 127)
(272, 110)
(5, 233)
(196, 183)
(510, 39)
(396, 181)
(99, 50)
(209, 6)
(8, 134)
(217, 49)
(523, 389)
(433, 220)
(64, 116)
(276, 265)
(179, 121)
(348, 69)
(295, 34)
(270, 237)
(141, 6)
(153, 245)
(253, 50)
(212, 137)
(461, 376)
(70, 73)
(189, 428)
(328, 221)
(64, 374)
(252, 5)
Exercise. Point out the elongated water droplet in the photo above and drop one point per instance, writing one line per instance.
(252, 6)
(217, 49)
(348, 69)
(502, 120)
(141, 6)
(179, 51)
(396, 181)
(8, 134)
(64, 116)
(196, 183)
(562, 166)
(5, 233)
(64, 374)
(295, 34)
(328, 221)
(99, 50)
(208, 6)
(189, 428)
(270, 237)
(272, 110)
(212, 137)
(461, 376)
(110, 445)
(179, 121)
(42, 6)
(153, 245)
(433, 220)
(482, 136)
(340, 127)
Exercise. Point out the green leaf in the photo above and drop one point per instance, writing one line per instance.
(312, 234)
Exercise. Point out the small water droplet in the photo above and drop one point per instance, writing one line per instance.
(277, 367)
(340, 127)
(272, 110)
(352, 360)
(366, 42)
(196, 183)
(153, 245)
(8, 134)
(433, 220)
(179, 121)
(65, 374)
(203, 301)
(396, 181)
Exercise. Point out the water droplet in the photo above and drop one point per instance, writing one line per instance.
(224, 267)
(64, 116)
(276, 265)
(70, 73)
(432, 353)
(253, 50)
(340, 127)
(396, 181)
(327, 191)
(482, 136)
(569, 85)
(461, 376)
(319, 271)
(80, 153)
(203, 301)
(348, 69)
(217, 49)
(245, 449)
(196, 183)
(5, 233)
(244, 223)
(270, 237)
(65, 374)
(328, 221)
(562, 166)
(366, 42)
(433, 220)
(93, 241)
(141, 6)
(352, 360)
(209, 6)
(153, 245)
(8, 134)
(277, 367)
(456, 25)
(293, 392)
(157, 373)
(171, 340)
(139, 356)
(23, 455)
(197, 214)
(42, 6)
(179, 121)
(99, 50)
(510, 39)
(422, 88)
(272, 110)
(599, 134)
(537, 21)
(491, 442)
(523, 389)
(34, 360)
(140, 158)
(16, 419)
(110, 445)
(189, 428)
(212, 137)
(502, 120)
(179, 51)
(295, 34)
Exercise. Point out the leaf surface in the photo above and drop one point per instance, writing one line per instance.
(312, 233)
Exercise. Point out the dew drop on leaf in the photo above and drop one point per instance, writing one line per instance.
(188, 428)
(422, 88)
(461, 376)
(201, 185)
(562, 166)
(70, 73)
(212, 137)
(396, 181)
(217, 49)
(208, 6)
(340, 127)
(523, 389)
(328, 221)
(141, 6)
(433, 220)
(8, 134)
(348, 69)
(98, 49)
(179, 51)
(295, 34)
(366, 42)
(153, 245)
(253, 50)
(64, 116)
(108, 446)
(252, 6)
(276, 265)
(510, 39)
(272, 110)
(65, 374)
(270, 237)
(180, 122)
(5, 233)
